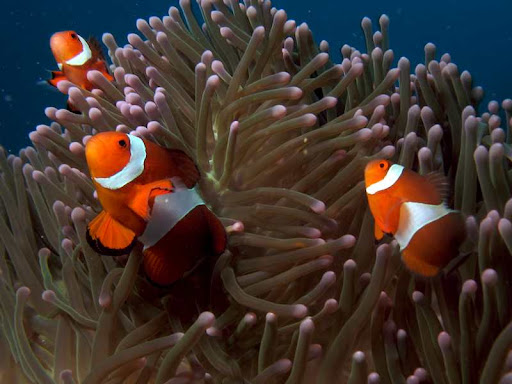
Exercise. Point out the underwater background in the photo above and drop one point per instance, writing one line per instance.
(283, 136)
(477, 35)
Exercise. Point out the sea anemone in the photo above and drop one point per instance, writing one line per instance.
(281, 136)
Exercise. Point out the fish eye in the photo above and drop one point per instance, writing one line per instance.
(382, 164)
(122, 143)
(73, 35)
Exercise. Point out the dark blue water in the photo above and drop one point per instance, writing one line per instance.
(477, 35)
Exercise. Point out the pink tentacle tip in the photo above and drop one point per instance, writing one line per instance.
(490, 277)
(505, 227)
(38, 176)
(312, 233)
(49, 296)
(66, 375)
(373, 378)
(213, 332)
(359, 357)
(307, 326)
(278, 111)
(325, 260)
(328, 278)
(78, 214)
(421, 374)
(105, 300)
(206, 319)
(295, 93)
(418, 297)
(444, 340)
(34, 137)
(315, 351)
(469, 287)
(233, 129)
(330, 306)
(299, 311)
(213, 81)
(283, 365)
(271, 317)
(318, 206)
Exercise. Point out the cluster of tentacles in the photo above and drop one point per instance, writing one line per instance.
(281, 136)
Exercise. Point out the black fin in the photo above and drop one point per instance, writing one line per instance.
(96, 245)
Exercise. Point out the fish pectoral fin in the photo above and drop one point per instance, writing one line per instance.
(379, 234)
(107, 236)
(140, 203)
(391, 220)
(56, 77)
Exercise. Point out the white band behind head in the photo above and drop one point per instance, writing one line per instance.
(83, 56)
(393, 174)
(131, 171)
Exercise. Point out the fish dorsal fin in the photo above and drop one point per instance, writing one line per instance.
(185, 166)
(107, 236)
(140, 202)
(440, 182)
(96, 49)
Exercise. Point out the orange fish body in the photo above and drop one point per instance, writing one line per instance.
(411, 208)
(76, 57)
(137, 180)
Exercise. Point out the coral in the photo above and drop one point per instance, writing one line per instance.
(281, 136)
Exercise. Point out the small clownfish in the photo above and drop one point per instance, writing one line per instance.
(75, 57)
(411, 207)
(147, 193)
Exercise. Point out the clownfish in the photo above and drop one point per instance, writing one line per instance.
(147, 194)
(411, 207)
(75, 57)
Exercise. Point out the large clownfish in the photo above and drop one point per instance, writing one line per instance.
(75, 57)
(147, 193)
(411, 207)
